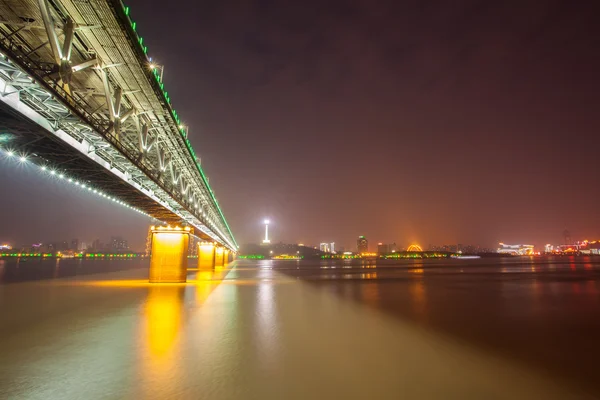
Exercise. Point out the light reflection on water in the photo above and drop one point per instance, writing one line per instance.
(163, 315)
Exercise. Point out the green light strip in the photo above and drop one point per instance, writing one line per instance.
(175, 116)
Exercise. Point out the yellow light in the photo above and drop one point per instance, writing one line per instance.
(163, 317)
(169, 257)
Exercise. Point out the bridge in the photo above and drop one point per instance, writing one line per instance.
(81, 99)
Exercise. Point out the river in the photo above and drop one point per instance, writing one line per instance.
(439, 328)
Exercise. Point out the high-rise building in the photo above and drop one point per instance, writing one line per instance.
(74, 245)
(324, 247)
(362, 244)
(97, 245)
(383, 248)
(392, 248)
(332, 247)
(118, 244)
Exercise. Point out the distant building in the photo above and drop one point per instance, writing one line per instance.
(516, 249)
(324, 247)
(118, 244)
(332, 247)
(97, 245)
(383, 248)
(362, 244)
(74, 245)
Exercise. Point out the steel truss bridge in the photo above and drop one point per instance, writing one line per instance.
(79, 95)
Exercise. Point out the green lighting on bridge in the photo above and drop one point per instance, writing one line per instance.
(175, 116)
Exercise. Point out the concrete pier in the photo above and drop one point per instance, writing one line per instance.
(206, 255)
(168, 262)
(219, 256)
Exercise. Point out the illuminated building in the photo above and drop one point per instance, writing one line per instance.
(5, 247)
(362, 244)
(324, 247)
(414, 247)
(515, 249)
(266, 239)
(332, 247)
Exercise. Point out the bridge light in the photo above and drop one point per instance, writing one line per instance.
(61, 176)
(44, 168)
(53, 172)
(10, 153)
(22, 158)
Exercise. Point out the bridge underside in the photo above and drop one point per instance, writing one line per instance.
(24, 136)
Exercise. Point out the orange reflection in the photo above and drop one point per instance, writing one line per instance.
(206, 282)
(370, 294)
(161, 323)
(163, 318)
(370, 275)
(418, 298)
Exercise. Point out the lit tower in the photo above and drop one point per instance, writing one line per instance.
(266, 241)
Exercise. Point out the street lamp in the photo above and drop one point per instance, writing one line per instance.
(161, 67)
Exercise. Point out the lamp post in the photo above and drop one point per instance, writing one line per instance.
(160, 67)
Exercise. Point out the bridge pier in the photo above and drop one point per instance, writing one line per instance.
(168, 262)
(206, 255)
(226, 257)
(219, 256)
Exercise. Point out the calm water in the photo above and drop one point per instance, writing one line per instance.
(544, 311)
(28, 269)
(416, 329)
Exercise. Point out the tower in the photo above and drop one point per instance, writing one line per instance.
(266, 240)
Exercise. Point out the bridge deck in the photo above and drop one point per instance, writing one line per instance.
(80, 70)
(252, 334)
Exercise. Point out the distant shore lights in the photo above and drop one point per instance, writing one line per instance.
(266, 240)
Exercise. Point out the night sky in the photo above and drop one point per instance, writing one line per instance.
(409, 121)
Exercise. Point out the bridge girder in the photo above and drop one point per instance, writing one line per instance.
(93, 93)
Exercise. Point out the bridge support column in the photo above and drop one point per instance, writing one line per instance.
(206, 255)
(219, 256)
(168, 262)
(225, 256)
